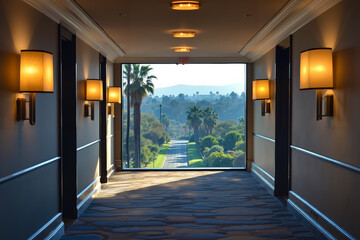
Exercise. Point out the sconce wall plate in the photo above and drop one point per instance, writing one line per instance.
(36, 76)
(316, 72)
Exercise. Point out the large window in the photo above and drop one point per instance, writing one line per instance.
(184, 116)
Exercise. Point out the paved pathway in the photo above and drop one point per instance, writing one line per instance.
(177, 155)
(229, 205)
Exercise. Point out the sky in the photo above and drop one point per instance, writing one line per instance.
(198, 74)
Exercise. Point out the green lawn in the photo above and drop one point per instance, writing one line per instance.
(159, 161)
(194, 156)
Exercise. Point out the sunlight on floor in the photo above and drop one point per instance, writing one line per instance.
(121, 182)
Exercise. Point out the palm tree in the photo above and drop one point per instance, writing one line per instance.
(127, 73)
(210, 119)
(194, 116)
(140, 85)
(165, 120)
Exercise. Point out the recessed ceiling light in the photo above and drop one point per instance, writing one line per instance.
(185, 5)
(182, 49)
(183, 34)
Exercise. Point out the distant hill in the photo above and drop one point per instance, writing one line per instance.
(190, 89)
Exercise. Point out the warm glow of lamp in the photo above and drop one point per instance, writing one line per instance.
(94, 90)
(113, 96)
(36, 71)
(185, 5)
(183, 34)
(36, 76)
(316, 69)
(261, 91)
(316, 72)
(182, 49)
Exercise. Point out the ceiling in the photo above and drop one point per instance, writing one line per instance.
(142, 28)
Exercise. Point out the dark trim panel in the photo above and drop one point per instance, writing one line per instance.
(87, 145)
(323, 226)
(263, 137)
(344, 165)
(52, 228)
(17, 174)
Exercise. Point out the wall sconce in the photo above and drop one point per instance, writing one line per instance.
(113, 96)
(94, 92)
(316, 72)
(261, 91)
(36, 76)
(185, 5)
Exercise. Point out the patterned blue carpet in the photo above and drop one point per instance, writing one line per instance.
(186, 205)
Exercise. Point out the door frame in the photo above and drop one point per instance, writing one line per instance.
(283, 117)
(67, 122)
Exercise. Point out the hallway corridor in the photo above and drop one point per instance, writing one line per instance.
(186, 205)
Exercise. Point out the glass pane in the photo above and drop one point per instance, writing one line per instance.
(184, 116)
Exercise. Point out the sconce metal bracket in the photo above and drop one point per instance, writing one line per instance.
(324, 105)
(265, 107)
(328, 106)
(111, 109)
(21, 109)
(89, 110)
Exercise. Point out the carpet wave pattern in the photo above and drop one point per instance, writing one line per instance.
(228, 205)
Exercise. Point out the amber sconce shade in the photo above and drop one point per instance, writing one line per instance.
(316, 73)
(94, 92)
(185, 5)
(183, 34)
(261, 91)
(182, 49)
(113, 96)
(36, 76)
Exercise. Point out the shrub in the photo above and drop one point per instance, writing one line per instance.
(146, 155)
(207, 141)
(239, 159)
(240, 145)
(230, 140)
(215, 148)
(192, 138)
(154, 148)
(219, 159)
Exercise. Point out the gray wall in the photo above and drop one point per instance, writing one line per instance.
(88, 157)
(332, 189)
(329, 188)
(32, 199)
(264, 150)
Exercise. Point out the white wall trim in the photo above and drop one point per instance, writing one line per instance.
(60, 227)
(323, 224)
(265, 182)
(288, 20)
(69, 13)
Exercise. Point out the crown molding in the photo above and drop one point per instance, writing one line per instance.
(67, 12)
(148, 60)
(294, 15)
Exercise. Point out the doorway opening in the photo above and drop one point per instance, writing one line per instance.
(185, 117)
